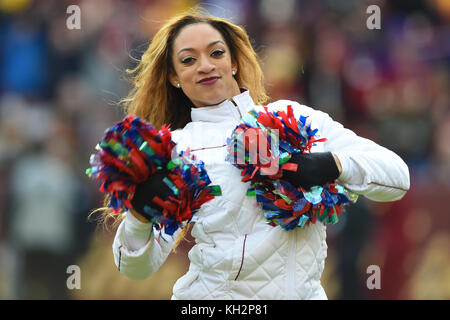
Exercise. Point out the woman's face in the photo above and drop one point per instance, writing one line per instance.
(203, 66)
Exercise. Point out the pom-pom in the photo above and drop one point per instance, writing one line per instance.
(131, 151)
(261, 147)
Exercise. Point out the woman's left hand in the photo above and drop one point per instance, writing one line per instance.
(313, 169)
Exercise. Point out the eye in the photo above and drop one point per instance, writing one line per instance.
(187, 60)
(217, 53)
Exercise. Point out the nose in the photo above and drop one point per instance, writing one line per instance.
(205, 65)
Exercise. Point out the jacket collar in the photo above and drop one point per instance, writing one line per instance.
(232, 109)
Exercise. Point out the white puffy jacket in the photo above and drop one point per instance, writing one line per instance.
(237, 255)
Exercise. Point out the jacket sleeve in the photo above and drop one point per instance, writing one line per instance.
(140, 262)
(367, 168)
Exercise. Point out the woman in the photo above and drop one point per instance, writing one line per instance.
(202, 75)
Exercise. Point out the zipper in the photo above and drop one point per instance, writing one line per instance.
(290, 268)
(235, 104)
(242, 259)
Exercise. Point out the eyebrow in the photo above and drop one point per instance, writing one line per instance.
(209, 45)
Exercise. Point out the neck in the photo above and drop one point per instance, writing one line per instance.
(233, 92)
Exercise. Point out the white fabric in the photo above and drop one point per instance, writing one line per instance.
(136, 233)
(237, 255)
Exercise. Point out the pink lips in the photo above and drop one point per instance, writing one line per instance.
(209, 81)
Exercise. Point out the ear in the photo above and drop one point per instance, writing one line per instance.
(234, 66)
(173, 79)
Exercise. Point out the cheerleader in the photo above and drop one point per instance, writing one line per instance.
(201, 75)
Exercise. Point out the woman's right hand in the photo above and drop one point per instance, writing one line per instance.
(154, 186)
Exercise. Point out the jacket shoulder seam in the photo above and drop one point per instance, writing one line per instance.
(388, 186)
(120, 257)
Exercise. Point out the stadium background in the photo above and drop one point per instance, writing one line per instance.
(59, 90)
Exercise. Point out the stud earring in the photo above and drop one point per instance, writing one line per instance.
(178, 85)
(233, 72)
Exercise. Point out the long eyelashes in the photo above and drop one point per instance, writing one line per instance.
(187, 60)
(215, 53)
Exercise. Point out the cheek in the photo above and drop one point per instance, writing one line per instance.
(187, 77)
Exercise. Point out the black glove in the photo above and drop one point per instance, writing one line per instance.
(314, 169)
(145, 191)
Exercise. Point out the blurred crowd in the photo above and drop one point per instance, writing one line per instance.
(61, 88)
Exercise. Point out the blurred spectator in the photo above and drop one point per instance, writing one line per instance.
(42, 223)
(24, 51)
